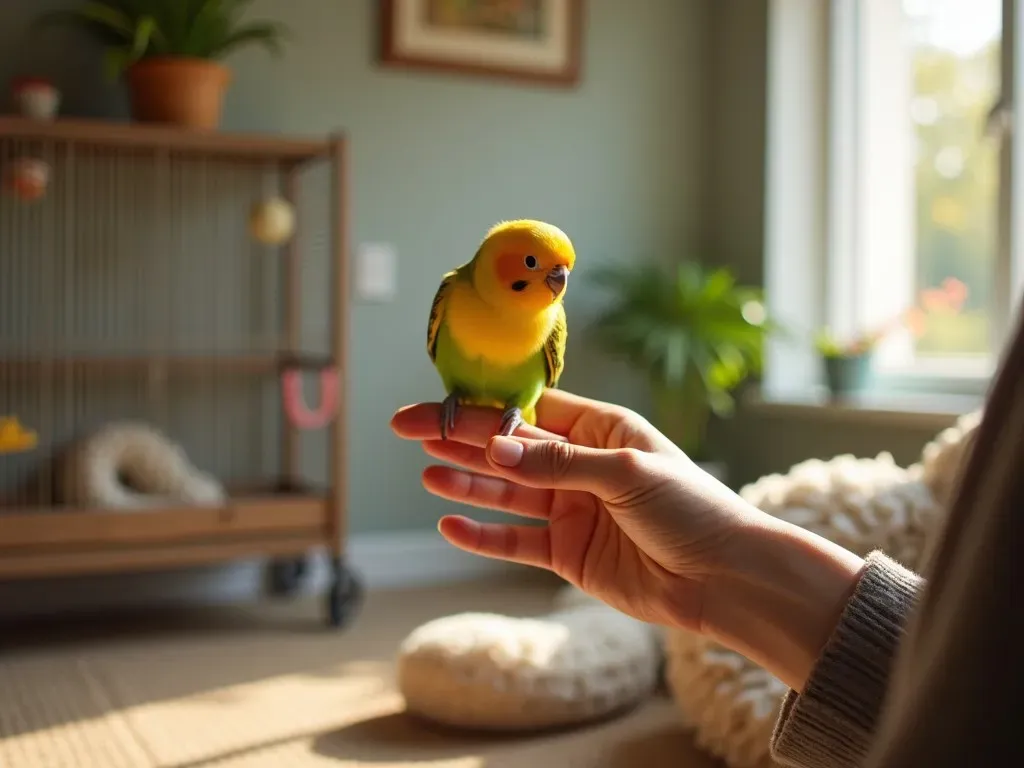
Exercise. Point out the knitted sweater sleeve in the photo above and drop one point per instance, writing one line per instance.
(831, 723)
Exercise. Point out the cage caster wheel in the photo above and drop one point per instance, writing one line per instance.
(344, 598)
(286, 575)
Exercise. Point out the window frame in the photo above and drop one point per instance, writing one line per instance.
(812, 81)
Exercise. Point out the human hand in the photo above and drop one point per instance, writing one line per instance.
(630, 519)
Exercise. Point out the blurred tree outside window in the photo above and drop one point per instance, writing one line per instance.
(955, 55)
(918, 247)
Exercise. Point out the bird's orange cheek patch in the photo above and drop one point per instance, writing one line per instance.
(510, 268)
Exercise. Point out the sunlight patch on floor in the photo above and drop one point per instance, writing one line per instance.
(269, 711)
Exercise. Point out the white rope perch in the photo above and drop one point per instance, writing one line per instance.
(131, 465)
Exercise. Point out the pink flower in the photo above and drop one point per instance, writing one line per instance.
(934, 299)
(956, 293)
(916, 321)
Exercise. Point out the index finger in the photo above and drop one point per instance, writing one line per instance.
(558, 410)
(474, 425)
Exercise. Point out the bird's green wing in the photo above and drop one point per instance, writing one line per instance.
(437, 311)
(554, 348)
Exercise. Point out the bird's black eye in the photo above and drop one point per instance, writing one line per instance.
(531, 262)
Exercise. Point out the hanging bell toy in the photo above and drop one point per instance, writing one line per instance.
(272, 221)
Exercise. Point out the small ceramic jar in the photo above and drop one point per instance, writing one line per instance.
(35, 98)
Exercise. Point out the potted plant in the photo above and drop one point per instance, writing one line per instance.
(848, 363)
(694, 333)
(169, 51)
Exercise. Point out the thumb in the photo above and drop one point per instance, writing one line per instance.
(564, 466)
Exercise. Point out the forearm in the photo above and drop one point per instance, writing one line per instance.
(823, 620)
(780, 596)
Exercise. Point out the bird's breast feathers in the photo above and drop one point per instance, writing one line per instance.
(480, 332)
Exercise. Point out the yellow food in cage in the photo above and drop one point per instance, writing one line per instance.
(14, 438)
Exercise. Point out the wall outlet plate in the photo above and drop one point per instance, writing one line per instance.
(376, 272)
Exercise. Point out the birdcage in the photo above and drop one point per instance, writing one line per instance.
(173, 340)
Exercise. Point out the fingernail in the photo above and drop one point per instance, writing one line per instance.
(506, 451)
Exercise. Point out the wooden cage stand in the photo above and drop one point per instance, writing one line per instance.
(65, 352)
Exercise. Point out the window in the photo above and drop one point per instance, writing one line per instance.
(905, 174)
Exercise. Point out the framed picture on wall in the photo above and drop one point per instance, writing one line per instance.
(530, 40)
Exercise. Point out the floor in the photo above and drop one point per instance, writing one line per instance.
(269, 686)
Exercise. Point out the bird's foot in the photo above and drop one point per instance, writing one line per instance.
(449, 410)
(510, 421)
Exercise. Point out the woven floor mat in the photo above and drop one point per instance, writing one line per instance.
(275, 689)
(54, 713)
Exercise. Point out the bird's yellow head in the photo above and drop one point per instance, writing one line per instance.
(523, 265)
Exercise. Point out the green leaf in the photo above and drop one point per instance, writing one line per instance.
(723, 405)
(717, 286)
(116, 61)
(235, 9)
(267, 34)
(686, 327)
(197, 28)
(677, 350)
(175, 21)
(204, 25)
(105, 14)
(689, 278)
(733, 365)
(107, 24)
(143, 35)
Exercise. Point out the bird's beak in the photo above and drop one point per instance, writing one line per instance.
(557, 278)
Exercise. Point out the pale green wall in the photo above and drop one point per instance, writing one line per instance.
(618, 163)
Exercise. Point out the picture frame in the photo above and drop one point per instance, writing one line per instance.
(531, 41)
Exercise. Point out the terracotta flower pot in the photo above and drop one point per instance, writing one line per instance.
(180, 91)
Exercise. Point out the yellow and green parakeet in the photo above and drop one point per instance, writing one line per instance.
(497, 327)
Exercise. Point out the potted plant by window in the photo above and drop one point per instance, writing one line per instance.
(169, 51)
(694, 333)
(848, 363)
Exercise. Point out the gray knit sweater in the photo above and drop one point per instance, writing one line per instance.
(831, 724)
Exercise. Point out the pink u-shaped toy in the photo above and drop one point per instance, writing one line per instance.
(299, 414)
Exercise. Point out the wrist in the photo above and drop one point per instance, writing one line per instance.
(779, 596)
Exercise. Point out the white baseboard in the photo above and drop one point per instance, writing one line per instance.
(405, 558)
(383, 560)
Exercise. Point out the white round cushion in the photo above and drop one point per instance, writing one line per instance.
(485, 671)
(131, 465)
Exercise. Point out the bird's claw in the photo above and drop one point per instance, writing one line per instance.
(449, 409)
(511, 420)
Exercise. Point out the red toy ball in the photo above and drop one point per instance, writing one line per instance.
(27, 178)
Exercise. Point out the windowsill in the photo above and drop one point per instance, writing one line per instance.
(935, 411)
